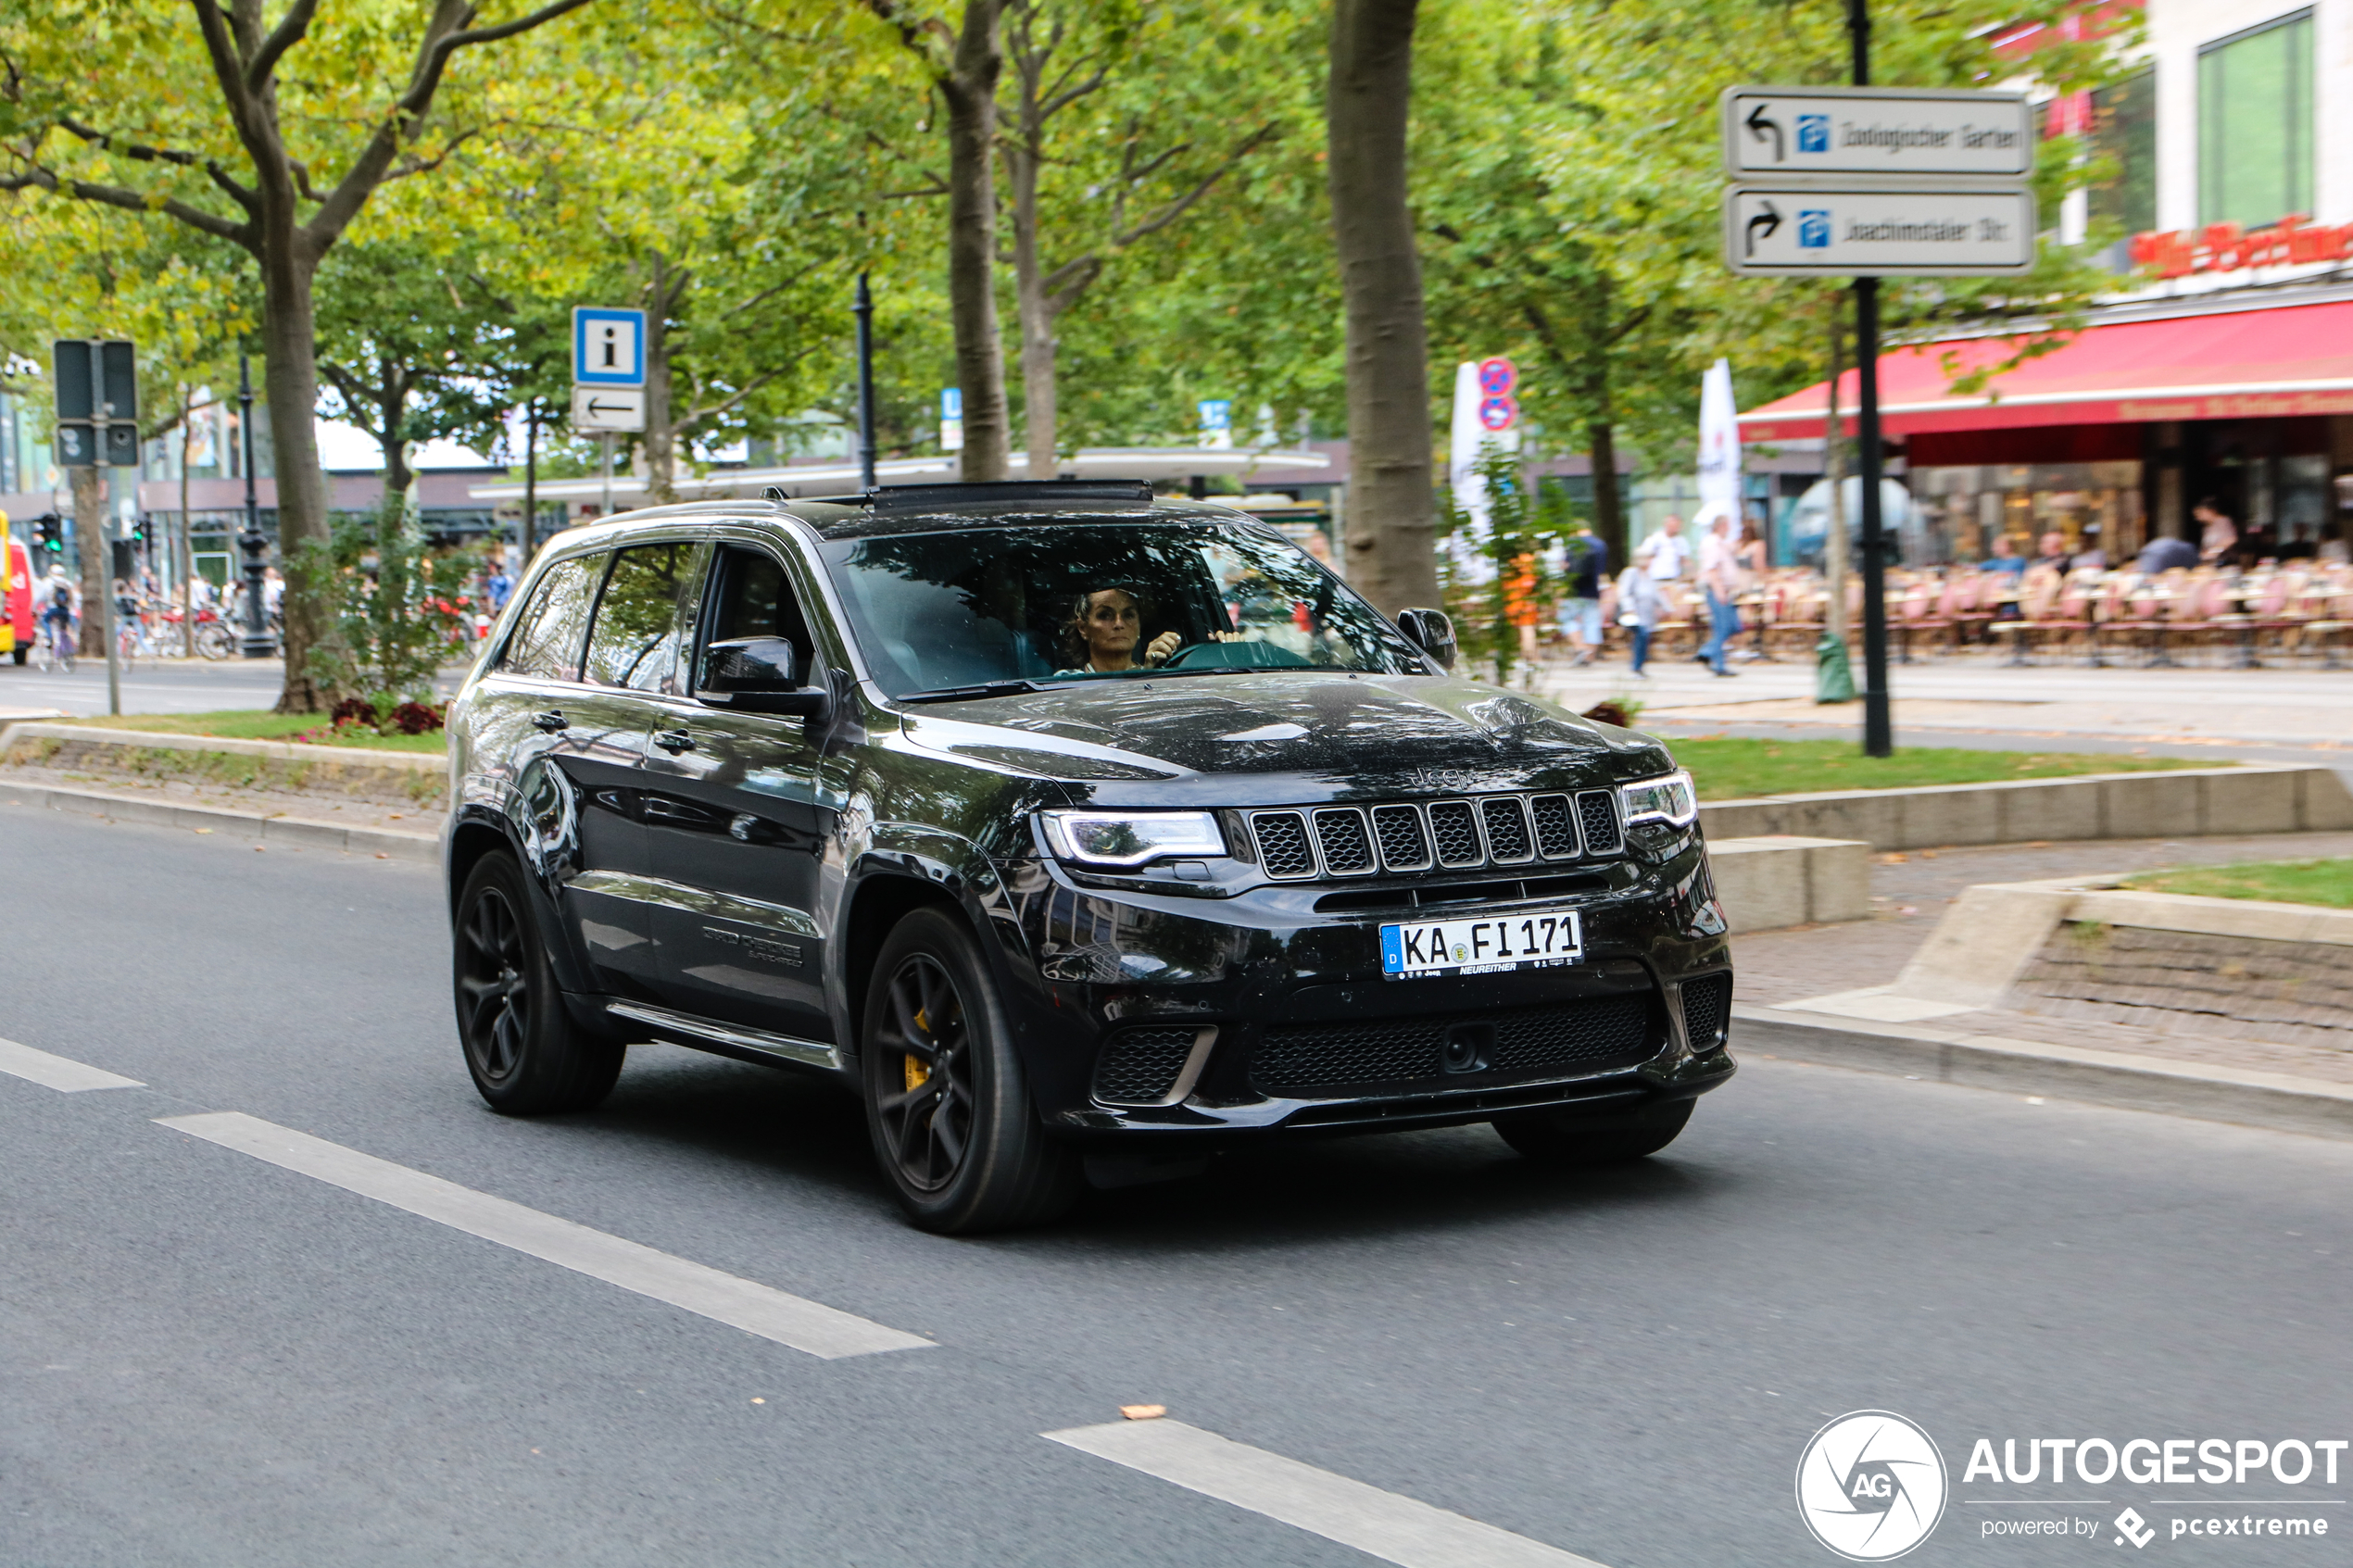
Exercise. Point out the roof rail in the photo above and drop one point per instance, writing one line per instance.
(932, 497)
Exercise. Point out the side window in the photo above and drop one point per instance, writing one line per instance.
(754, 598)
(635, 640)
(547, 640)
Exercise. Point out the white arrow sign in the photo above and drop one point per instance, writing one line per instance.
(1899, 132)
(596, 409)
(1922, 232)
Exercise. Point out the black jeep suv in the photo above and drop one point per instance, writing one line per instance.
(1082, 833)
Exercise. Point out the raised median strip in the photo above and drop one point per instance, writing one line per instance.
(293, 832)
(2252, 797)
(1922, 1050)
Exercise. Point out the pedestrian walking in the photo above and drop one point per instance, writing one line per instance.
(1584, 569)
(1668, 551)
(1719, 575)
(1640, 603)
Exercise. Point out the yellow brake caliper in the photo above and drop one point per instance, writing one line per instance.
(917, 1073)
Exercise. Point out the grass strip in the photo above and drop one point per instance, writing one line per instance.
(1732, 768)
(238, 724)
(2326, 882)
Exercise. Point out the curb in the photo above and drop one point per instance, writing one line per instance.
(2274, 1100)
(293, 832)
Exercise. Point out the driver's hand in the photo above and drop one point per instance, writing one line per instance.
(1167, 644)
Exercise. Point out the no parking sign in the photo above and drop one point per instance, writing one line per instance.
(1498, 379)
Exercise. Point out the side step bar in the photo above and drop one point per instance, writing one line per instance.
(736, 1040)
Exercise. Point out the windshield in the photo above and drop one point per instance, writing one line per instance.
(1080, 601)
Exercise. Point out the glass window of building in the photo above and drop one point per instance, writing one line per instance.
(2124, 133)
(2254, 124)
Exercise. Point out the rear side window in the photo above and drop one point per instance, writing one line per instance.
(546, 641)
(635, 638)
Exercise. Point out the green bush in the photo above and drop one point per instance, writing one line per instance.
(398, 609)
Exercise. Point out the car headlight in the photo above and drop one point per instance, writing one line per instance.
(1122, 840)
(1669, 799)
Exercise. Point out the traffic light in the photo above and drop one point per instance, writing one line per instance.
(97, 386)
(48, 534)
(139, 527)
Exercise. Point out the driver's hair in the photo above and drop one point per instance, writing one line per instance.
(1075, 650)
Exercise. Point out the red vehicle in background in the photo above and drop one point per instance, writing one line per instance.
(15, 597)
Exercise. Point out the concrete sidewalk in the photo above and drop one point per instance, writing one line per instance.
(2189, 1067)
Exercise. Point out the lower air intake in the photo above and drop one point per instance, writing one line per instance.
(1707, 1011)
(1140, 1066)
(1552, 1039)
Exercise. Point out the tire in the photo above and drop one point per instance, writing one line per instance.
(526, 1056)
(1563, 1138)
(214, 642)
(947, 1102)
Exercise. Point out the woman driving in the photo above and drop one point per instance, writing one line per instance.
(1103, 630)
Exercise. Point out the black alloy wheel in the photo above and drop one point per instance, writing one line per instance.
(947, 1102)
(927, 1124)
(526, 1056)
(1562, 1138)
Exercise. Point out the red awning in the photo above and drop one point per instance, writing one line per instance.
(2277, 362)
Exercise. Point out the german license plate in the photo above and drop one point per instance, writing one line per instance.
(1540, 939)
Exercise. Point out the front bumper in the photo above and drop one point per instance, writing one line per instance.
(1265, 968)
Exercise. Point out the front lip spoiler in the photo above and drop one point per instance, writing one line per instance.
(1623, 1089)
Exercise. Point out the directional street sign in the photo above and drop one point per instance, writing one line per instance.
(608, 346)
(1899, 134)
(1918, 230)
(598, 408)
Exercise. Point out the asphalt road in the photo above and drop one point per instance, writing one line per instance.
(148, 687)
(206, 1359)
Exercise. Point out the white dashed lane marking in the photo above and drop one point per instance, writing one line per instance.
(1383, 1524)
(756, 1309)
(58, 1072)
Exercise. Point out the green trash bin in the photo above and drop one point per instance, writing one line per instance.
(1833, 679)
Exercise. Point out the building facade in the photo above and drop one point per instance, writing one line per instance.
(2221, 367)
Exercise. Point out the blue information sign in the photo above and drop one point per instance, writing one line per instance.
(608, 346)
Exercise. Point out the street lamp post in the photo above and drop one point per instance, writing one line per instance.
(258, 642)
(865, 310)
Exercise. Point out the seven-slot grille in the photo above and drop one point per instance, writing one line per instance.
(1489, 830)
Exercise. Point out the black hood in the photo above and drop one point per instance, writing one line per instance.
(1387, 735)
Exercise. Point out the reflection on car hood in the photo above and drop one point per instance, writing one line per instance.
(1409, 731)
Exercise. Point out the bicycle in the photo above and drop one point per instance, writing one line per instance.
(53, 645)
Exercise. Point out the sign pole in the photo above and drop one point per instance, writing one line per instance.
(607, 440)
(105, 540)
(1879, 737)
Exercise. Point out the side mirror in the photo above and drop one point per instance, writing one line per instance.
(1432, 630)
(760, 675)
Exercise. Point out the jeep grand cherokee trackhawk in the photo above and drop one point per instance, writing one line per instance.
(1077, 830)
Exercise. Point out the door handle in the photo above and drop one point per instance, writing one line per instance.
(661, 809)
(675, 741)
(552, 719)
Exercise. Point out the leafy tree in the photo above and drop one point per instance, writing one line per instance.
(277, 153)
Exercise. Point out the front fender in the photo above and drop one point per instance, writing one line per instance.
(539, 820)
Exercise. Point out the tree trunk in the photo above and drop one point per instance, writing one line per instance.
(661, 438)
(90, 545)
(1609, 505)
(1037, 317)
(290, 387)
(391, 420)
(971, 90)
(1392, 505)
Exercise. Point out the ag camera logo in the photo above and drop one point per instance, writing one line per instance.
(1871, 1485)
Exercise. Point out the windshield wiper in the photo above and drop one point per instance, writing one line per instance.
(973, 694)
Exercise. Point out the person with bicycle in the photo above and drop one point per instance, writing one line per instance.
(60, 612)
